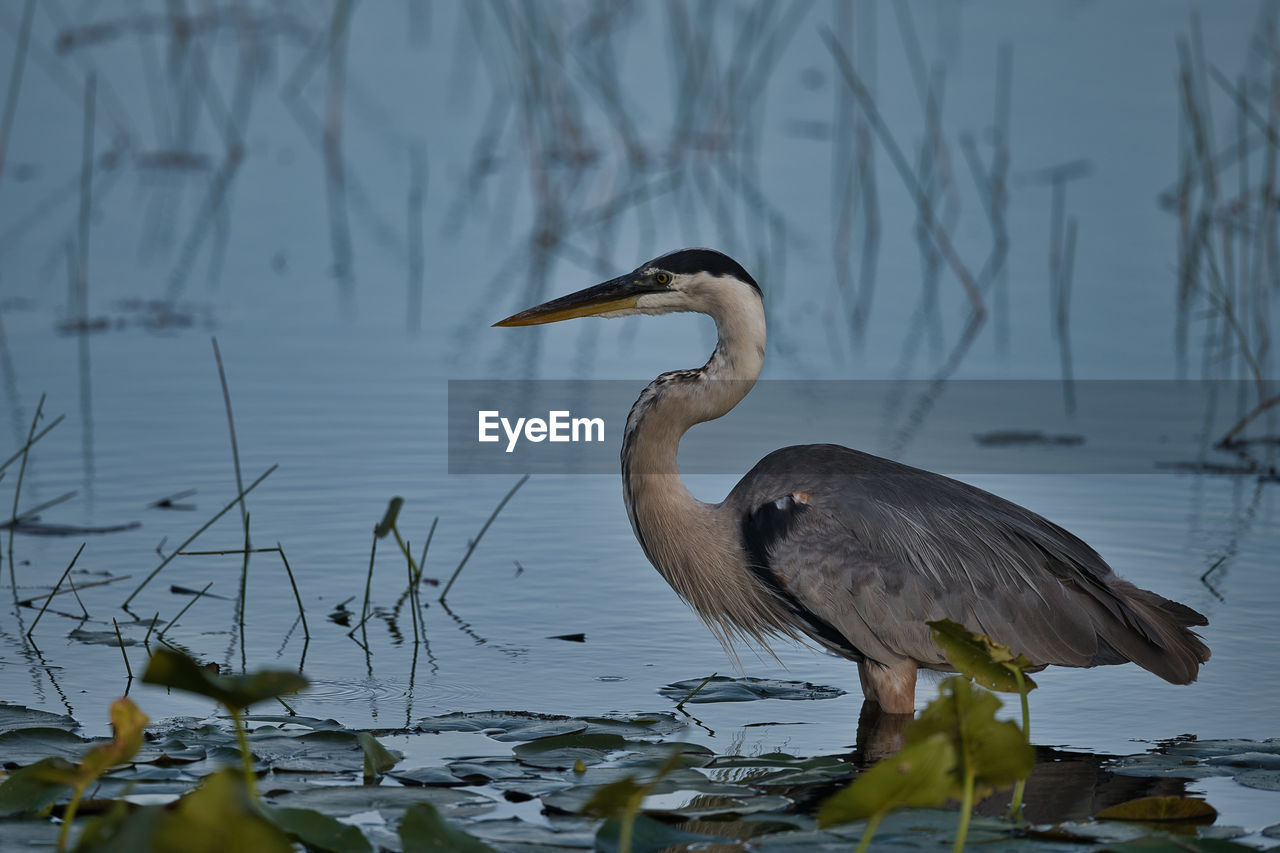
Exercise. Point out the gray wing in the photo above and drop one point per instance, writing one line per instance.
(871, 549)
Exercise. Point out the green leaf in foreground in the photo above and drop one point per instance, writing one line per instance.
(993, 751)
(648, 836)
(1160, 808)
(218, 816)
(32, 789)
(422, 828)
(319, 832)
(170, 669)
(920, 776)
(377, 758)
(979, 657)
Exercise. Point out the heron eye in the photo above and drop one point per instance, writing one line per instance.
(662, 278)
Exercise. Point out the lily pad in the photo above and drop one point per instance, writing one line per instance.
(346, 800)
(649, 836)
(1160, 809)
(27, 746)
(14, 717)
(319, 832)
(422, 828)
(722, 688)
(1263, 780)
(428, 776)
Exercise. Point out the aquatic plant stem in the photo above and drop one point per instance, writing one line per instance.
(193, 536)
(65, 572)
(966, 810)
(17, 490)
(1015, 804)
(480, 535)
(306, 632)
(873, 823)
(246, 757)
(120, 640)
(69, 815)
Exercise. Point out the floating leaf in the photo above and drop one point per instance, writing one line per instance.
(649, 836)
(319, 832)
(171, 669)
(13, 717)
(1160, 808)
(422, 828)
(722, 688)
(920, 776)
(1178, 845)
(377, 758)
(27, 746)
(979, 657)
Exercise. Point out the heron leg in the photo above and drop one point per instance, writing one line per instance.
(891, 686)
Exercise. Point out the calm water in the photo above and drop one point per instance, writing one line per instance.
(307, 284)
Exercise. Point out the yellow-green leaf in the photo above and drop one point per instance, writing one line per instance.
(920, 776)
(979, 657)
(1160, 808)
(994, 750)
(127, 723)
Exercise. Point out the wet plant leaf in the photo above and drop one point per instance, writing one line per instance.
(13, 717)
(422, 828)
(437, 776)
(1263, 780)
(168, 668)
(389, 518)
(377, 758)
(722, 688)
(346, 800)
(994, 750)
(1160, 808)
(27, 746)
(1178, 845)
(319, 832)
(920, 776)
(32, 789)
(649, 836)
(979, 657)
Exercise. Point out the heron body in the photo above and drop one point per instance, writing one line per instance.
(845, 549)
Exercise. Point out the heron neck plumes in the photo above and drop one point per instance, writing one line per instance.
(695, 545)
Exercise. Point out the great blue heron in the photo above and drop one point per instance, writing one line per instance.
(851, 550)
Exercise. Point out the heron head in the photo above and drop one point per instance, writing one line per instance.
(684, 280)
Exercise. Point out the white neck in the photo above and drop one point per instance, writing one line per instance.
(695, 545)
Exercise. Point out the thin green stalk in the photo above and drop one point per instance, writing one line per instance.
(1015, 804)
(966, 810)
(413, 599)
(150, 628)
(246, 757)
(65, 572)
(17, 490)
(175, 619)
(873, 823)
(474, 542)
(705, 682)
(193, 536)
(422, 561)
(368, 583)
(69, 815)
(120, 639)
(15, 79)
(306, 632)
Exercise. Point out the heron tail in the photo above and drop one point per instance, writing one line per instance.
(1155, 633)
